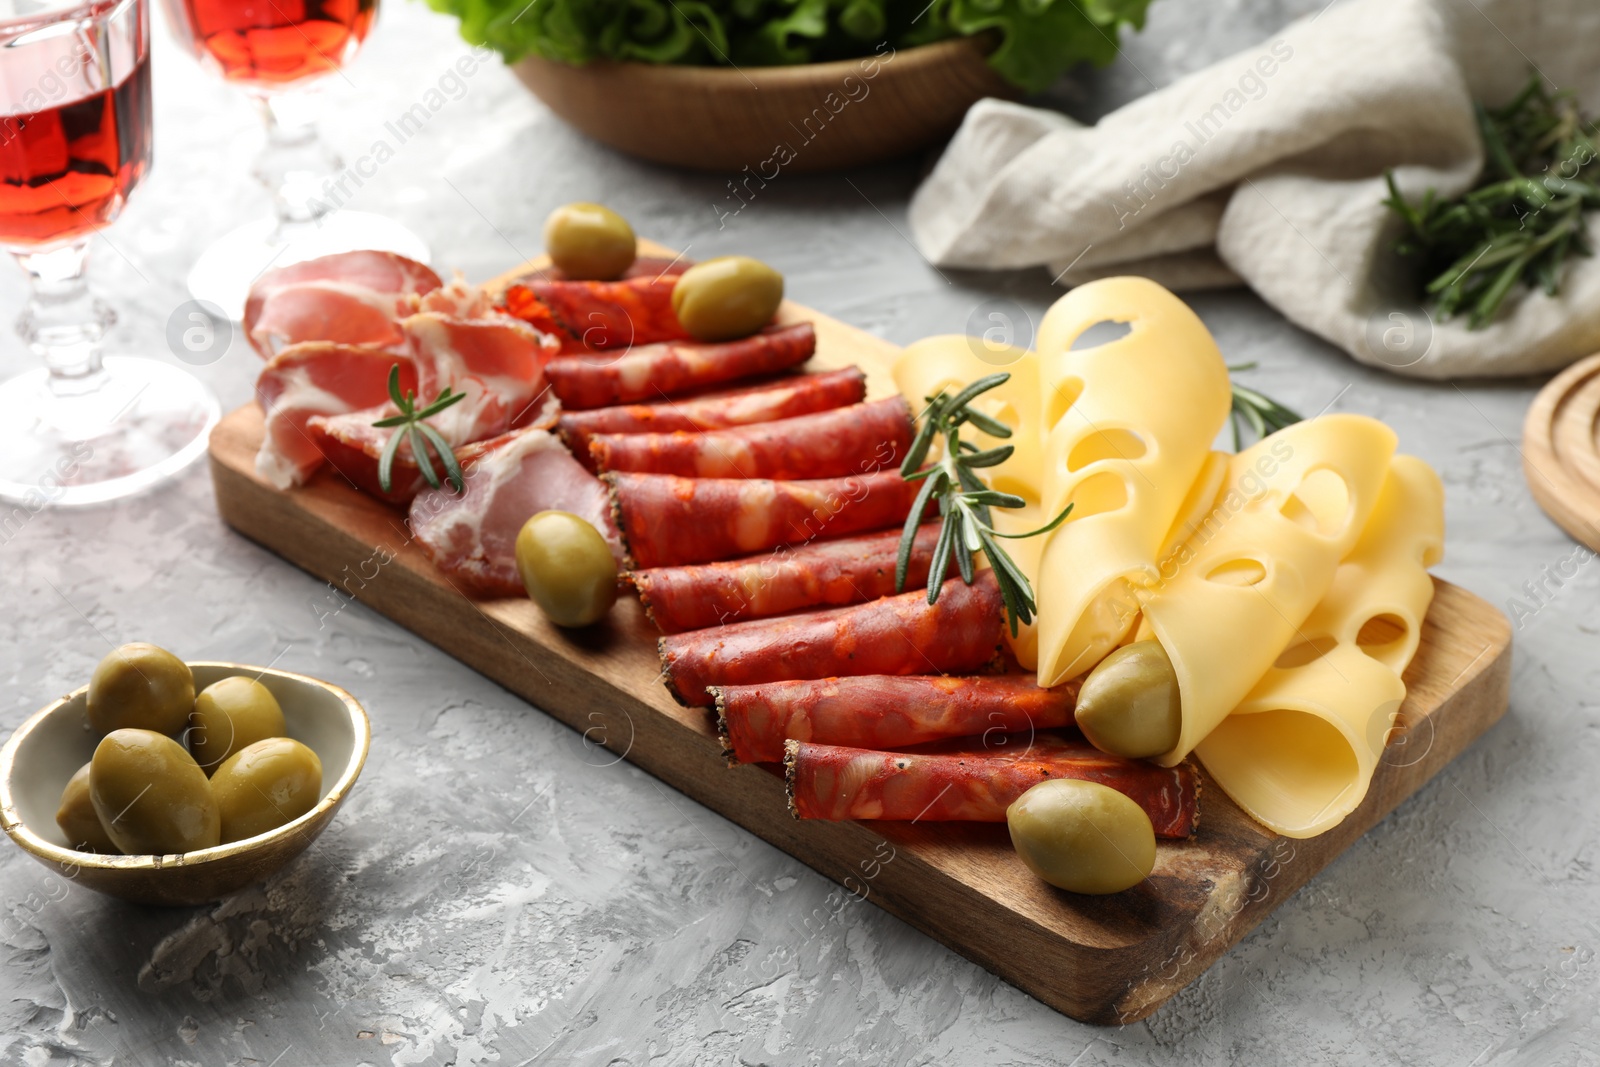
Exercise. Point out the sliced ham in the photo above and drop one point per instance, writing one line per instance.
(778, 398)
(895, 635)
(353, 298)
(316, 379)
(471, 536)
(667, 520)
(671, 368)
(824, 573)
(827, 444)
(971, 781)
(878, 711)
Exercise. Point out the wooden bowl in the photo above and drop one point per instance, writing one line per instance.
(816, 116)
(45, 751)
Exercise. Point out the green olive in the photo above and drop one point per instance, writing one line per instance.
(229, 715)
(77, 817)
(589, 241)
(1083, 837)
(140, 687)
(150, 794)
(264, 785)
(1129, 705)
(567, 568)
(721, 299)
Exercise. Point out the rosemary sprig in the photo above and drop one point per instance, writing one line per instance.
(965, 501)
(410, 425)
(1260, 412)
(1522, 220)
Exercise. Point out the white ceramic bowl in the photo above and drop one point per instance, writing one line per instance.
(47, 749)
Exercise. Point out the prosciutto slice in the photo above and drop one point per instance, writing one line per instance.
(666, 520)
(971, 781)
(472, 536)
(353, 298)
(656, 371)
(312, 379)
(497, 362)
(779, 398)
(853, 440)
(635, 310)
(824, 573)
(895, 635)
(884, 711)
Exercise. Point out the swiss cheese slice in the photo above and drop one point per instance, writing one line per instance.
(1299, 752)
(1237, 593)
(1129, 427)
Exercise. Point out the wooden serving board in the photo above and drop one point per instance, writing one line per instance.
(1560, 452)
(1104, 960)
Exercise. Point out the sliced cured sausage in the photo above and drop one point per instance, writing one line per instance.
(895, 635)
(671, 368)
(849, 570)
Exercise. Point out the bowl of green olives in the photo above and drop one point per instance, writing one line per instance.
(171, 783)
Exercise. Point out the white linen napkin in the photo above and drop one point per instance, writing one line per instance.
(1267, 168)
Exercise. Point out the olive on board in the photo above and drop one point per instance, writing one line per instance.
(228, 715)
(150, 794)
(589, 241)
(77, 817)
(1129, 705)
(140, 687)
(567, 568)
(727, 297)
(1083, 837)
(264, 785)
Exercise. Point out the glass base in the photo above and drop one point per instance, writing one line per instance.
(135, 424)
(225, 271)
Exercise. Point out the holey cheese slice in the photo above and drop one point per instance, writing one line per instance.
(1130, 425)
(1300, 750)
(1237, 593)
(950, 363)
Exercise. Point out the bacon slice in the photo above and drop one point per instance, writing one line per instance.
(853, 440)
(780, 398)
(884, 711)
(472, 536)
(895, 635)
(653, 371)
(846, 571)
(353, 298)
(311, 379)
(972, 782)
(635, 310)
(666, 520)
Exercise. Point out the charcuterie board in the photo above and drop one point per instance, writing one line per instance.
(1104, 960)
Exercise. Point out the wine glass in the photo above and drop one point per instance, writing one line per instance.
(274, 50)
(74, 142)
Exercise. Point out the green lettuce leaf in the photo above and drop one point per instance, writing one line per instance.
(1036, 41)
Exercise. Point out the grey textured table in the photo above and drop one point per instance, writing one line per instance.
(496, 892)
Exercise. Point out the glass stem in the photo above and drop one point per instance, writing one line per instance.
(64, 322)
(296, 166)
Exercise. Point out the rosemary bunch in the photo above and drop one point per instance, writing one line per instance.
(1523, 219)
(410, 425)
(965, 502)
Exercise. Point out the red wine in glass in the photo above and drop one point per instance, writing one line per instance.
(273, 43)
(65, 171)
(74, 143)
(273, 49)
